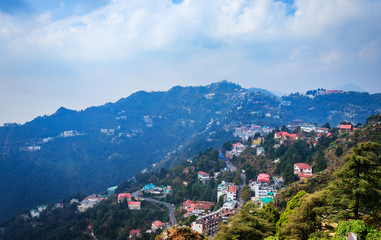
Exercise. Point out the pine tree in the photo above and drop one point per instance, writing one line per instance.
(358, 184)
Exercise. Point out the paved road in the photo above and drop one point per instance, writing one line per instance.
(168, 205)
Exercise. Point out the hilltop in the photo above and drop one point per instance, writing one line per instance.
(52, 157)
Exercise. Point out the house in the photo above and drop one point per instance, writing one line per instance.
(237, 149)
(42, 207)
(73, 201)
(89, 202)
(263, 189)
(123, 196)
(135, 233)
(34, 213)
(222, 189)
(134, 205)
(285, 136)
(157, 225)
(231, 193)
(229, 205)
(149, 187)
(93, 198)
(84, 205)
(111, 190)
(203, 176)
(208, 224)
(260, 151)
(196, 207)
(256, 142)
(344, 128)
(263, 177)
(302, 168)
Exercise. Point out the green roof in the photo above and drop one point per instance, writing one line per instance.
(112, 188)
(266, 200)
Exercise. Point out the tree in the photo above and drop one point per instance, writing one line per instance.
(246, 193)
(359, 180)
(249, 223)
(326, 125)
(339, 151)
(320, 162)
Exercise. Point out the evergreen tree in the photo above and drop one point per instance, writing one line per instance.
(358, 182)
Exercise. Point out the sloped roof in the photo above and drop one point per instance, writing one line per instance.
(302, 166)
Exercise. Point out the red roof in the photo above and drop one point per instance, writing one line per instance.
(232, 189)
(201, 206)
(124, 195)
(302, 166)
(346, 126)
(134, 203)
(187, 203)
(304, 175)
(286, 134)
(237, 144)
(204, 174)
(157, 223)
(135, 231)
(263, 177)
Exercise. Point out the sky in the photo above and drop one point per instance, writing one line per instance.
(82, 53)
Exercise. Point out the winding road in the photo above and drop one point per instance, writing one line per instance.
(168, 205)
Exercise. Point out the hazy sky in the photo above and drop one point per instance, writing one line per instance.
(80, 53)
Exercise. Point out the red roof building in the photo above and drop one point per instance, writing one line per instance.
(344, 128)
(134, 205)
(156, 225)
(122, 196)
(135, 232)
(263, 177)
(302, 169)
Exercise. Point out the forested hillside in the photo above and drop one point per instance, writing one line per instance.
(51, 157)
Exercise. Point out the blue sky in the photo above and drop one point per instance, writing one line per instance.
(80, 53)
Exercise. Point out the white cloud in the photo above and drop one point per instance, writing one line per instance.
(162, 44)
(330, 57)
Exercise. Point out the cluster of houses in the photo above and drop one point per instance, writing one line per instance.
(245, 132)
(196, 208)
(207, 222)
(136, 233)
(264, 192)
(152, 189)
(35, 213)
(127, 197)
(36, 146)
(90, 202)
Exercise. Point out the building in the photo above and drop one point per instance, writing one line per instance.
(237, 149)
(135, 233)
(231, 193)
(260, 151)
(263, 189)
(34, 213)
(344, 128)
(84, 205)
(208, 224)
(197, 207)
(148, 187)
(203, 176)
(157, 225)
(302, 168)
(111, 190)
(263, 177)
(222, 189)
(124, 196)
(134, 205)
(41, 208)
(285, 136)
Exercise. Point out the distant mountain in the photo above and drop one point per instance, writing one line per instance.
(264, 91)
(350, 87)
(52, 157)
